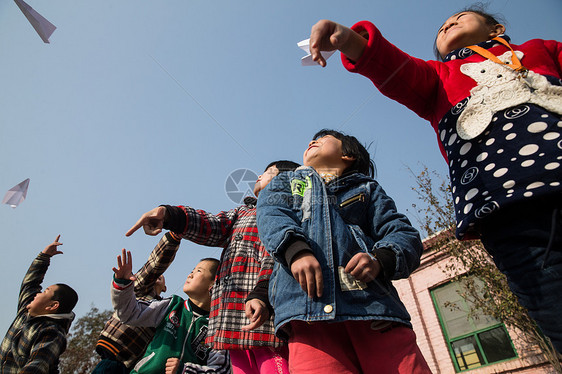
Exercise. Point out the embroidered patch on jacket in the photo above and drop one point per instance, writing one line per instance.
(299, 186)
(174, 319)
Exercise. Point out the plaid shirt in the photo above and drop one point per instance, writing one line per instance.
(244, 264)
(34, 344)
(128, 343)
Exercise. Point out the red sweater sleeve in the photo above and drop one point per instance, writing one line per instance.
(410, 81)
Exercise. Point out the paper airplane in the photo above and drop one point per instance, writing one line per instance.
(16, 194)
(307, 60)
(43, 27)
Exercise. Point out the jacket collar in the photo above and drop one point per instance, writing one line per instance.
(348, 180)
(464, 52)
(64, 320)
(342, 182)
(250, 201)
(58, 316)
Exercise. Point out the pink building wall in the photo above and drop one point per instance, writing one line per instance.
(415, 293)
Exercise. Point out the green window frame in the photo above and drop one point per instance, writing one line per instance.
(472, 342)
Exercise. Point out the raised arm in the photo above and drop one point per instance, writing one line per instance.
(198, 226)
(205, 228)
(127, 308)
(411, 81)
(159, 260)
(31, 284)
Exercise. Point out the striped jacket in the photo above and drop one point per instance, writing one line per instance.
(34, 344)
(128, 343)
(245, 268)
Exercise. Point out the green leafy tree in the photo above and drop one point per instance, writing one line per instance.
(80, 356)
(492, 296)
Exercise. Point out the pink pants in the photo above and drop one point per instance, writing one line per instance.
(261, 360)
(353, 347)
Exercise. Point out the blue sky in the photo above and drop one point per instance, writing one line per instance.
(136, 104)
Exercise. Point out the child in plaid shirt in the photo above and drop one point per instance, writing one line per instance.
(241, 316)
(37, 337)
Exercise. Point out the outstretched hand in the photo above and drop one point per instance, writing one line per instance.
(152, 222)
(124, 268)
(363, 267)
(52, 249)
(328, 35)
(257, 313)
(307, 271)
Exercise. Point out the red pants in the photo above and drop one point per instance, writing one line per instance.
(261, 360)
(353, 347)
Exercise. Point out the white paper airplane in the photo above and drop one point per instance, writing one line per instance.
(307, 60)
(16, 194)
(43, 27)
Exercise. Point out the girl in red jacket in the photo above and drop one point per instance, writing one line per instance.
(496, 109)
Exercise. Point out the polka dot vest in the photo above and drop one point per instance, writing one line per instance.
(518, 157)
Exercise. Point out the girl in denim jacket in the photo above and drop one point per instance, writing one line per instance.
(338, 241)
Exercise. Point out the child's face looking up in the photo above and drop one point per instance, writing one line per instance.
(464, 29)
(43, 302)
(200, 280)
(265, 178)
(325, 153)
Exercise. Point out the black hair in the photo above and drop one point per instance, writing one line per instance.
(480, 9)
(283, 165)
(353, 148)
(66, 296)
(214, 266)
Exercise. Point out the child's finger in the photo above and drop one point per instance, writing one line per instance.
(135, 227)
(296, 276)
(312, 285)
(251, 325)
(351, 265)
(319, 283)
(304, 285)
(248, 311)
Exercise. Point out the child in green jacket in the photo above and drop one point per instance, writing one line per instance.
(181, 325)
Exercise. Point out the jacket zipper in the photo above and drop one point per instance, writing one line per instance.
(360, 197)
(187, 335)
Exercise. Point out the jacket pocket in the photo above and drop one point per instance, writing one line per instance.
(354, 199)
(352, 209)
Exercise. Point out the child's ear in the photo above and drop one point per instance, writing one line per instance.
(497, 30)
(348, 159)
(53, 306)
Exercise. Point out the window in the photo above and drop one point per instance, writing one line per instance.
(473, 342)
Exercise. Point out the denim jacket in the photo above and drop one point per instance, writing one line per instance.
(349, 215)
